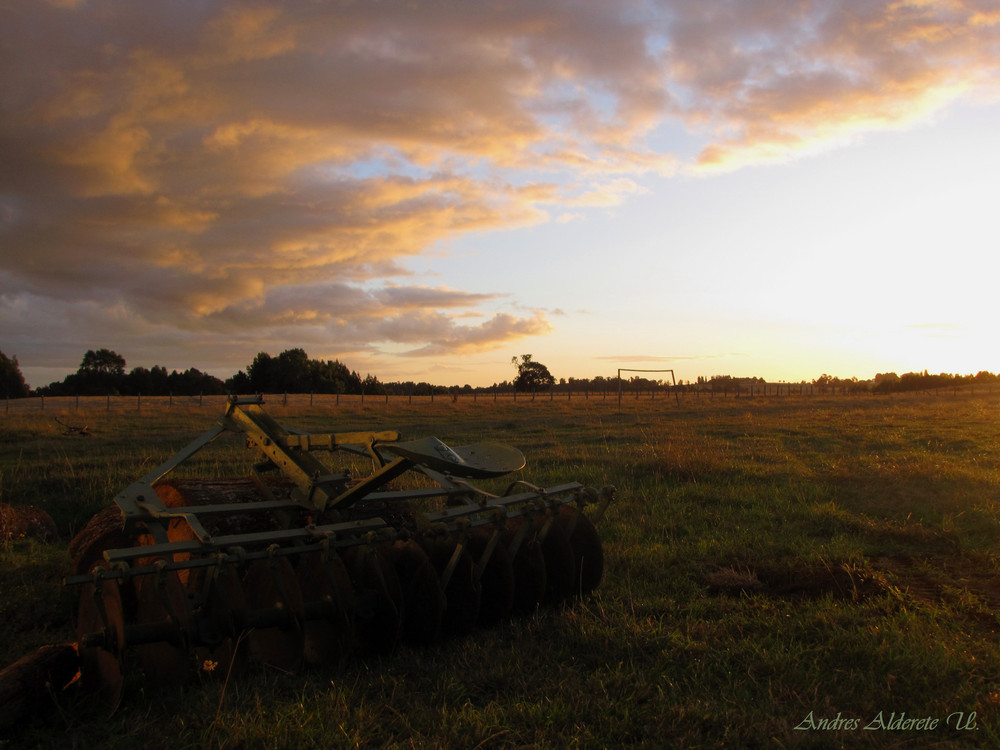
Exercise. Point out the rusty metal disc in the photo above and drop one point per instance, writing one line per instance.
(462, 592)
(220, 622)
(100, 627)
(560, 565)
(105, 530)
(379, 598)
(496, 577)
(527, 564)
(276, 613)
(329, 605)
(423, 600)
(162, 598)
(587, 549)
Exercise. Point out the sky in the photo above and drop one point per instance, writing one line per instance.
(426, 189)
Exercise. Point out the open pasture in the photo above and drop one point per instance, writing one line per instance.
(801, 572)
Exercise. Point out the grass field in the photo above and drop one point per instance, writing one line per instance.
(774, 568)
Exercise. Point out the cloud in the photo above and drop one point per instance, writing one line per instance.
(208, 170)
(770, 80)
(640, 358)
(449, 338)
(938, 330)
(428, 297)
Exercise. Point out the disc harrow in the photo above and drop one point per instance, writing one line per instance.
(301, 562)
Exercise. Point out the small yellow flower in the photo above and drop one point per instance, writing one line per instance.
(208, 665)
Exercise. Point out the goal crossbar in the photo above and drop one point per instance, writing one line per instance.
(673, 381)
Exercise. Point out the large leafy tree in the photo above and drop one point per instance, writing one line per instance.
(293, 371)
(103, 362)
(12, 383)
(100, 372)
(531, 375)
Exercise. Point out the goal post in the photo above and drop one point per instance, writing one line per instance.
(673, 382)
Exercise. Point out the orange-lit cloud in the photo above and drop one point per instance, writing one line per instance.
(227, 171)
(773, 80)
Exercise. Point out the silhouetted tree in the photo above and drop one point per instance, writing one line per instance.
(531, 376)
(101, 372)
(193, 382)
(12, 383)
(371, 387)
(103, 361)
(262, 372)
(332, 376)
(147, 382)
(886, 382)
(293, 372)
(239, 383)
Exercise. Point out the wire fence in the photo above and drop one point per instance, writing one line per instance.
(676, 395)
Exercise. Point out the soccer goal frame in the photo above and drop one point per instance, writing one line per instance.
(673, 381)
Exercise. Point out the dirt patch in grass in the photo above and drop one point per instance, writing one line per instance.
(813, 582)
(26, 521)
(970, 587)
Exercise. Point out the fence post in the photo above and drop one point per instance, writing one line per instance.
(138, 402)
(43, 403)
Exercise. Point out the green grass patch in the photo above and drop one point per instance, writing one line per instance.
(767, 560)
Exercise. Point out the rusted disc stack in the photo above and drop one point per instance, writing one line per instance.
(186, 614)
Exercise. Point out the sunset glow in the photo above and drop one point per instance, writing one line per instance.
(424, 190)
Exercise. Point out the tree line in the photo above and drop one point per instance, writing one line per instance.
(882, 383)
(104, 372)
